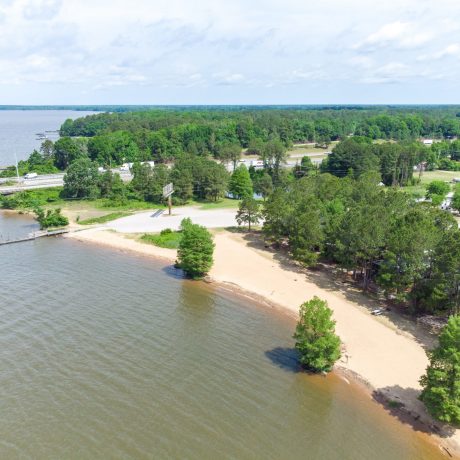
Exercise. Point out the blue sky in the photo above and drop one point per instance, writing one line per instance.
(229, 52)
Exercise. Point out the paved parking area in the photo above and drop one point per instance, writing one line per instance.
(144, 222)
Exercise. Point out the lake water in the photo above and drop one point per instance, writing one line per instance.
(18, 129)
(110, 355)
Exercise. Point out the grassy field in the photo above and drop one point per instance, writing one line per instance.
(429, 176)
(419, 190)
(298, 151)
(103, 219)
(168, 240)
(225, 203)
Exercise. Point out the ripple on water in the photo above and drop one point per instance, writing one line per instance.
(106, 355)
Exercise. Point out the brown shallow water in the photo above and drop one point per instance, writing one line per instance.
(107, 355)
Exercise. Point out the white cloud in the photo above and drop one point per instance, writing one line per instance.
(226, 78)
(108, 48)
(450, 50)
(399, 34)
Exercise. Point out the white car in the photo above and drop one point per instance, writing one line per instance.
(30, 176)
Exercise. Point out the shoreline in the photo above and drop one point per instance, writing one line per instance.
(388, 376)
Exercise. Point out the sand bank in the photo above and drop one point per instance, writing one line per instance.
(389, 359)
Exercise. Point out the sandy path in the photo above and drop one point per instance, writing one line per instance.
(389, 359)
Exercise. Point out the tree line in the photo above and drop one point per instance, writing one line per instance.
(410, 251)
(110, 139)
(164, 135)
(198, 178)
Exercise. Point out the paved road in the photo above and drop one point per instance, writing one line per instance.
(57, 180)
(44, 181)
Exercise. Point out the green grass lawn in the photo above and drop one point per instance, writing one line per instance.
(168, 240)
(105, 218)
(225, 203)
(429, 176)
(419, 190)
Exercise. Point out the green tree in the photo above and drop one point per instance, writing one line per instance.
(409, 251)
(456, 198)
(111, 186)
(355, 155)
(274, 155)
(277, 211)
(158, 179)
(441, 383)
(195, 253)
(248, 212)
(213, 181)
(440, 291)
(142, 174)
(100, 150)
(47, 149)
(230, 153)
(306, 165)
(315, 336)
(437, 187)
(240, 185)
(182, 178)
(81, 180)
(263, 184)
(66, 151)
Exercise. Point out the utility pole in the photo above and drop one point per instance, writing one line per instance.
(167, 192)
(169, 204)
(421, 171)
(17, 169)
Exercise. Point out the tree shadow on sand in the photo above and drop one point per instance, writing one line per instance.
(285, 358)
(392, 399)
(329, 278)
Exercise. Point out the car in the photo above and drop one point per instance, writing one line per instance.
(30, 175)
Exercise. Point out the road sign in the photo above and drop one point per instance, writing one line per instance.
(168, 190)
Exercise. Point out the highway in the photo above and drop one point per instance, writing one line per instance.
(57, 180)
(43, 181)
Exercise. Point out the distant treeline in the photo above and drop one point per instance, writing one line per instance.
(291, 125)
(166, 134)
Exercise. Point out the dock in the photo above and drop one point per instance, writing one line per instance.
(35, 235)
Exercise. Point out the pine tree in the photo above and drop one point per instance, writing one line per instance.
(315, 336)
(248, 212)
(441, 383)
(195, 249)
(240, 183)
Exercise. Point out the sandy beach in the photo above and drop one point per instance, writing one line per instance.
(377, 350)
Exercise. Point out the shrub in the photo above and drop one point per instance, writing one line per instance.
(166, 239)
(50, 218)
(437, 187)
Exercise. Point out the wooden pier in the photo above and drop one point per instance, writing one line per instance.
(35, 235)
